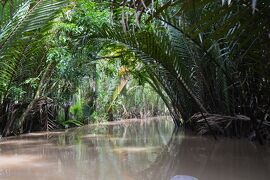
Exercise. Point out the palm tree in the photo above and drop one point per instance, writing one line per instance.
(208, 57)
(23, 43)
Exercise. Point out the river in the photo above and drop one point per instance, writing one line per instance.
(131, 150)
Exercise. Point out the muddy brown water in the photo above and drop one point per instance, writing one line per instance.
(145, 149)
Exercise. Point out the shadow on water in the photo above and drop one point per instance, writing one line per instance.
(148, 149)
(208, 159)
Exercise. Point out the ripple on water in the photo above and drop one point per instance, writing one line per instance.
(137, 149)
(17, 160)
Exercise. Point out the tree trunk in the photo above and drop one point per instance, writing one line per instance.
(40, 91)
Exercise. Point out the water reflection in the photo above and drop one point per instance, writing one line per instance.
(133, 150)
(108, 151)
(207, 159)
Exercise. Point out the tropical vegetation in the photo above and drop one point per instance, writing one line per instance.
(68, 63)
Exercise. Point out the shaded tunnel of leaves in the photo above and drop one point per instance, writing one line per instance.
(208, 61)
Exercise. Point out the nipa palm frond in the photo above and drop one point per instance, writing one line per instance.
(155, 50)
(31, 19)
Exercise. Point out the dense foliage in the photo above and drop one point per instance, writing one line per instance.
(207, 60)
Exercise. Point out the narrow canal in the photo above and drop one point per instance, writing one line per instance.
(127, 150)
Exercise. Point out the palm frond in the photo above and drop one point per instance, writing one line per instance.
(157, 52)
(19, 35)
